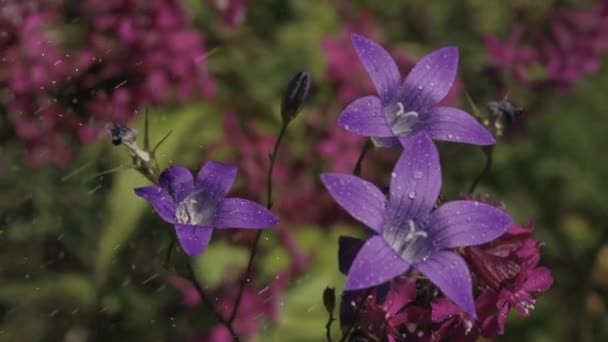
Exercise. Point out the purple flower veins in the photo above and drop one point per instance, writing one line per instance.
(197, 206)
(408, 232)
(402, 110)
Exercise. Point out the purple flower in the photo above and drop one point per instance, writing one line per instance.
(403, 109)
(408, 232)
(197, 206)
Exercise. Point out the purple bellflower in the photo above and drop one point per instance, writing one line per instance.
(408, 232)
(404, 108)
(197, 206)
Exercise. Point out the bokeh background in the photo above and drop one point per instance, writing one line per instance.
(81, 257)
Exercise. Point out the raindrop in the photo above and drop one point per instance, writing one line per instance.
(411, 195)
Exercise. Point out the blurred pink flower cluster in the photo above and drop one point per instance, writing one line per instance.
(232, 12)
(505, 276)
(257, 305)
(567, 51)
(68, 68)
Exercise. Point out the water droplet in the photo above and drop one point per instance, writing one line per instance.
(393, 174)
(411, 195)
(417, 174)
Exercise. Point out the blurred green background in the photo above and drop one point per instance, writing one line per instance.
(81, 256)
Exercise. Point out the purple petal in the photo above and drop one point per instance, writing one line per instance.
(193, 239)
(365, 116)
(362, 199)
(375, 264)
(348, 248)
(215, 180)
(430, 80)
(452, 124)
(177, 180)
(449, 272)
(160, 200)
(242, 213)
(416, 179)
(466, 223)
(380, 67)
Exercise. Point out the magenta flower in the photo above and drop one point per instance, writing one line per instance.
(408, 232)
(197, 206)
(403, 109)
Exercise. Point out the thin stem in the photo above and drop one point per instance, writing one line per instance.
(169, 251)
(258, 235)
(488, 152)
(357, 311)
(207, 301)
(330, 320)
(366, 147)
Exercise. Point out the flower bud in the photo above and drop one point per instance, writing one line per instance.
(294, 96)
(505, 109)
(122, 134)
(329, 299)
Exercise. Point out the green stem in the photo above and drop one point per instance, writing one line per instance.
(258, 235)
(366, 147)
(207, 301)
(488, 150)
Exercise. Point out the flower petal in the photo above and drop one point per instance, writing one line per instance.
(430, 80)
(538, 279)
(362, 199)
(379, 65)
(453, 124)
(160, 200)
(178, 180)
(466, 223)
(215, 180)
(365, 116)
(376, 263)
(348, 248)
(449, 272)
(416, 179)
(242, 213)
(193, 239)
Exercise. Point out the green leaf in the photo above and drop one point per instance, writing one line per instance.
(70, 289)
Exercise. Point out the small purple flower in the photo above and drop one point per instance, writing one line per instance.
(403, 109)
(408, 232)
(197, 206)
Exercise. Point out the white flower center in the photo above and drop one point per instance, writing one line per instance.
(403, 241)
(194, 211)
(400, 121)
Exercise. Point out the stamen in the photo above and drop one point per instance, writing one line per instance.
(412, 233)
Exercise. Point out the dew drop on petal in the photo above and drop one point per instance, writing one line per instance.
(411, 195)
(417, 174)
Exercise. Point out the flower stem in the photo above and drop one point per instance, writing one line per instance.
(366, 147)
(330, 320)
(487, 150)
(254, 247)
(207, 301)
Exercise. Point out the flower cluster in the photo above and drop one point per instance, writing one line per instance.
(505, 275)
(566, 52)
(409, 233)
(129, 55)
